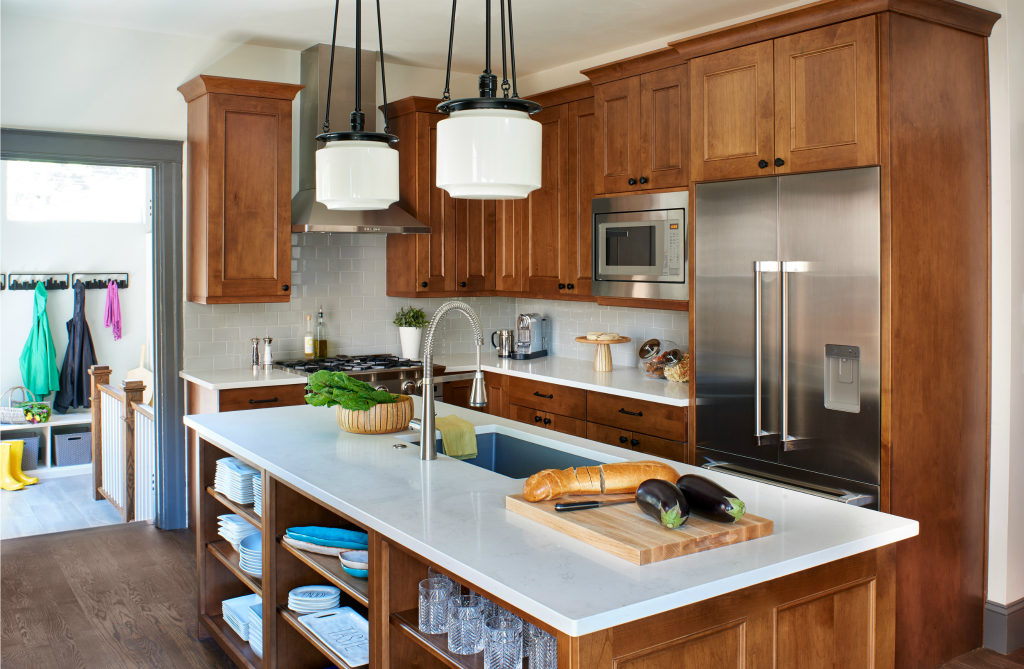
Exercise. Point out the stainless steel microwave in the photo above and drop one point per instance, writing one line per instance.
(640, 246)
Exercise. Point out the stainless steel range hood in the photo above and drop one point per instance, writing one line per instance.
(308, 215)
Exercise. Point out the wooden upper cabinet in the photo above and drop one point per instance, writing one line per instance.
(239, 199)
(642, 124)
(799, 103)
(731, 114)
(474, 245)
(508, 251)
(543, 213)
(581, 186)
(826, 97)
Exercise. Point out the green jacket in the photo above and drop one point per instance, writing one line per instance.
(39, 359)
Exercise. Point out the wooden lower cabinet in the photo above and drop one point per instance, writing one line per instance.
(643, 443)
(549, 421)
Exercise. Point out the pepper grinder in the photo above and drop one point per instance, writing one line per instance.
(268, 356)
(255, 353)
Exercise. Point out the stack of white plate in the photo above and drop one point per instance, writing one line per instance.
(236, 613)
(234, 528)
(257, 495)
(255, 612)
(250, 553)
(233, 479)
(313, 598)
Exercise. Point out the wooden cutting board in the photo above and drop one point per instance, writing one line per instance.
(629, 533)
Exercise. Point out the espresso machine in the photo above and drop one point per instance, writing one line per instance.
(531, 337)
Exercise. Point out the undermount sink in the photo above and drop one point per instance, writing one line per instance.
(508, 453)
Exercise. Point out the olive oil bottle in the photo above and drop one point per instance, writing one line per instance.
(320, 338)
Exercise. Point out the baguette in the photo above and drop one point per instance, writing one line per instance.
(617, 477)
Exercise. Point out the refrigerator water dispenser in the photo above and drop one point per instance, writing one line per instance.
(842, 378)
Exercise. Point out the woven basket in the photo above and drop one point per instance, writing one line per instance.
(381, 419)
(16, 415)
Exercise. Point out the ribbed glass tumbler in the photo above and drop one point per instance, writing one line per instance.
(541, 649)
(433, 601)
(503, 648)
(466, 624)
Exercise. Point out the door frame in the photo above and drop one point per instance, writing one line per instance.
(164, 157)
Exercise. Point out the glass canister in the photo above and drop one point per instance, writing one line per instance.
(656, 354)
(679, 371)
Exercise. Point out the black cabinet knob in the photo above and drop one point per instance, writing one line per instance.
(547, 421)
(570, 286)
(536, 419)
(462, 284)
(762, 163)
(284, 287)
(561, 286)
(779, 162)
(423, 284)
(631, 181)
(643, 180)
(623, 440)
(634, 442)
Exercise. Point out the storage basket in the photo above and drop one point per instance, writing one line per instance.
(73, 448)
(30, 456)
(26, 411)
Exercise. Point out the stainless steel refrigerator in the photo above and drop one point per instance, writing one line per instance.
(787, 318)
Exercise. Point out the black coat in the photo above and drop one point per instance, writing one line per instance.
(74, 373)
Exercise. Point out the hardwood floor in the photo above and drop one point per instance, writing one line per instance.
(117, 596)
(55, 504)
(124, 596)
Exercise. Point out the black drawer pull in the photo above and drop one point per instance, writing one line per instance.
(284, 287)
(561, 286)
(570, 286)
(643, 180)
(631, 181)
(266, 401)
(547, 421)
(634, 442)
(762, 163)
(779, 162)
(623, 440)
(536, 419)
(462, 284)
(547, 397)
(631, 413)
(423, 284)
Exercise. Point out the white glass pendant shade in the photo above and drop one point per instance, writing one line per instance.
(357, 175)
(488, 154)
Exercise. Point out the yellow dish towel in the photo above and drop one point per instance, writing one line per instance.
(458, 436)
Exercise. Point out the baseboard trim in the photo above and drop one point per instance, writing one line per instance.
(1004, 626)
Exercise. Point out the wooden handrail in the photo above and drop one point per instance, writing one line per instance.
(144, 409)
(113, 391)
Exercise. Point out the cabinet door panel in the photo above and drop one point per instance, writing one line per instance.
(826, 97)
(663, 448)
(435, 252)
(636, 415)
(731, 113)
(582, 181)
(508, 252)
(664, 126)
(497, 394)
(608, 435)
(551, 397)
(832, 630)
(617, 105)
(566, 425)
(249, 191)
(474, 245)
(543, 213)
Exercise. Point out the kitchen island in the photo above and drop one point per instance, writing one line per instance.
(820, 586)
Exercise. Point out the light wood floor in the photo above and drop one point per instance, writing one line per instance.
(124, 596)
(53, 505)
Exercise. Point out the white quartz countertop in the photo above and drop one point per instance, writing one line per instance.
(453, 514)
(624, 381)
(226, 379)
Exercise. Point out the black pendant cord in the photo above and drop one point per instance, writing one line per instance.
(451, 43)
(383, 78)
(504, 69)
(357, 117)
(330, 69)
(512, 51)
(487, 36)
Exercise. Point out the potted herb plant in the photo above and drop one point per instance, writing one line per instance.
(410, 322)
(361, 409)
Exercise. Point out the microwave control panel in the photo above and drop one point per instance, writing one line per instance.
(672, 263)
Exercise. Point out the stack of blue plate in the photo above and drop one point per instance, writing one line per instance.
(314, 598)
(233, 479)
(250, 552)
(255, 612)
(257, 495)
(236, 614)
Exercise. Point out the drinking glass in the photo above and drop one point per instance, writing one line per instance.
(433, 601)
(503, 648)
(542, 649)
(453, 587)
(465, 624)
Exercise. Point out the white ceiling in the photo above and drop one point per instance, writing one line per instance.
(548, 32)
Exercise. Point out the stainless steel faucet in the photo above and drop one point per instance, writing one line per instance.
(477, 394)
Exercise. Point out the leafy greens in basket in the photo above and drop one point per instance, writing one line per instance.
(328, 389)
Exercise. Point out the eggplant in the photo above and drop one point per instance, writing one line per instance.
(710, 499)
(663, 501)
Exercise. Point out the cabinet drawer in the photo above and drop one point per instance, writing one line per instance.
(239, 399)
(608, 435)
(663, 448)
(550, 397)
(637, 415)
(550, 421)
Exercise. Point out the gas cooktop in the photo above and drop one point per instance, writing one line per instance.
(352, 363)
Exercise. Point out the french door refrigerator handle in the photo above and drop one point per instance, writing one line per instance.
(760, 267)
(788, 267)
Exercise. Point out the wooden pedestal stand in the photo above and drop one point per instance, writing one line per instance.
(603, 355)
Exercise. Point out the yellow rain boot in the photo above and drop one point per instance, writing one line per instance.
(17, 450)
(8, 482)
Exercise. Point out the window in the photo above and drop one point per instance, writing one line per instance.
(43, 192)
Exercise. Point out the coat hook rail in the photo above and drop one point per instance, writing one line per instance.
(100, 279)
(28, 281)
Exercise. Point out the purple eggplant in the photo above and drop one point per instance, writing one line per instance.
(663, 501)
(710, 499)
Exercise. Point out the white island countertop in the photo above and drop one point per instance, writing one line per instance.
(622, 380)
(453, 514)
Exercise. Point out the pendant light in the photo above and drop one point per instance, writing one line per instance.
(357, 170)
(488, 148)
